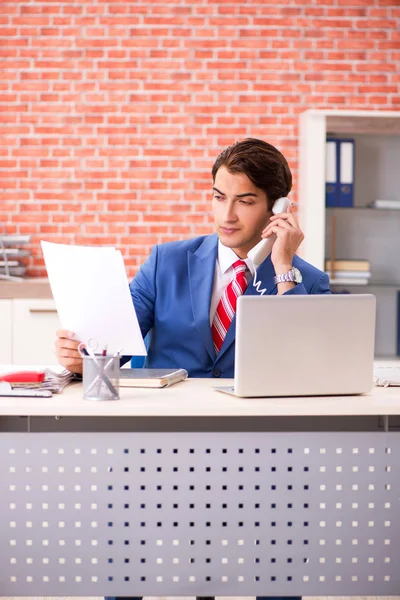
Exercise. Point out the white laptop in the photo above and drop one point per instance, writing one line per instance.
(304, 345)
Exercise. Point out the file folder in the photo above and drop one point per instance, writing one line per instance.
(331, 168)
(346, 172)
(339, 172)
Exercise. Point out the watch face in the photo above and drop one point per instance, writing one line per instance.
(297, 275)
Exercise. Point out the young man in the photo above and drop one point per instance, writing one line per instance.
(185, 293)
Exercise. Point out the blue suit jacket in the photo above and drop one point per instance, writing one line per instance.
(172, 294)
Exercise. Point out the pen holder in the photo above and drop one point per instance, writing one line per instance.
(100, 377)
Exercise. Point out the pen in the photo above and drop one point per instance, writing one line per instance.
(102, 369)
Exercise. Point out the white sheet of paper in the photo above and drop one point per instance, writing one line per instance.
(91, 292)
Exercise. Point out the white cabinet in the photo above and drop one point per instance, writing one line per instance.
(28, 331)
(5, 331)
(360, 231)
(35, 323)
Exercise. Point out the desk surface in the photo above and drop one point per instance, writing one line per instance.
(196, 397)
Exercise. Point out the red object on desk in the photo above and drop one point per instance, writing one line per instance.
(23, 377)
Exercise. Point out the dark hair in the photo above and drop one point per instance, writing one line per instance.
(263, 164)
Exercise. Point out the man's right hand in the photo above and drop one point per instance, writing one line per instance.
(67, 351)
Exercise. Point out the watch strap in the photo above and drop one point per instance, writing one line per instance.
(284, 277)
(292, 276)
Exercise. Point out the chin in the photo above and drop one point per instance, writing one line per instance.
(228, 240)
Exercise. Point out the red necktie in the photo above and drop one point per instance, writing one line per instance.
(227, 305)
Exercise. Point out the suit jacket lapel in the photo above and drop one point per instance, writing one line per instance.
(201, 267)
(265, 274)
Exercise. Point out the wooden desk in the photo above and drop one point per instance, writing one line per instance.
(187, 491)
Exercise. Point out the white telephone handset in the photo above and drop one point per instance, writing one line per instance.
(259, 253)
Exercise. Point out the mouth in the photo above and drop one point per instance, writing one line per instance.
(228, 230)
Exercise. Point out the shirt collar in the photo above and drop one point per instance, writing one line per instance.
(226, 258)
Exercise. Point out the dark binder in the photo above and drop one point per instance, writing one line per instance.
(331, 173)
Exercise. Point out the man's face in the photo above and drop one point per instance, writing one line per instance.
(240, 211)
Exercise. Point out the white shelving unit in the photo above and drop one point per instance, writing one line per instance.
(361, 232)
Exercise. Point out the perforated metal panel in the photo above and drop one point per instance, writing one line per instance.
(200, 514)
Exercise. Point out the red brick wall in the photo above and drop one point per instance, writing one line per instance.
(112, 112)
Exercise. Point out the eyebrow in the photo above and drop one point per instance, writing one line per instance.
(237, 195)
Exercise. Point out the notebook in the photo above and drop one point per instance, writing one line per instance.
(308, 345)
(156, 378)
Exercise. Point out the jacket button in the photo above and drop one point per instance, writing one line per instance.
(216, 373)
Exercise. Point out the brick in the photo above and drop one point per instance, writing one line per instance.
(111, 135)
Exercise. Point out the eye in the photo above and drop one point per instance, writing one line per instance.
(246, 202)
(217, 197)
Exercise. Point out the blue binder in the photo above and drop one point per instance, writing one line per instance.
(331, 173)
(339, 172)
(345, 172)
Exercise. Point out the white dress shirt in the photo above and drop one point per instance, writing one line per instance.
(224, 273)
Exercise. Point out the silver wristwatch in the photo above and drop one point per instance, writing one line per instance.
(293, 275)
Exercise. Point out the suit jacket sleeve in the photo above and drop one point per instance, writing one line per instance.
(143, 292)
(319, 286)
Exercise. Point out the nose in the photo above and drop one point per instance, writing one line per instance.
(230, 214)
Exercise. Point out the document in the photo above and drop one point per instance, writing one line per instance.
(91, 292)
(50, 377)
